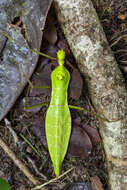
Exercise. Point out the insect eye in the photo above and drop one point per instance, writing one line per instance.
(60, 75)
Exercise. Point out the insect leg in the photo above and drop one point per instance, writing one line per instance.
(28, 90)
(91, 113)
(32, 50)
(30, 83)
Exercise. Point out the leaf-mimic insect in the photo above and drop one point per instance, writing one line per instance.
(58, 118)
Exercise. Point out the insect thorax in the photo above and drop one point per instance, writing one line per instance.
(60, 78)
(60, 81)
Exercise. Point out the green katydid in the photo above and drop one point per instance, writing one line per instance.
(58, 118)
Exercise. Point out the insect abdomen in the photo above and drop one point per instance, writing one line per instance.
(58, 129)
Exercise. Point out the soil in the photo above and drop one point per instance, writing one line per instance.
(89, 162)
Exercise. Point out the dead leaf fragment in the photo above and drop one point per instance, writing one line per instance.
(50, 33)
(76, 83)
(63, 45)
(80, 144)
(92, 133)
(121, 17)
(96, 183)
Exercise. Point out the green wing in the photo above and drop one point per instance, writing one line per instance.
(58, 129)
(58, 119)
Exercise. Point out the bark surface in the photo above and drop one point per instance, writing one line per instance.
(105, 82)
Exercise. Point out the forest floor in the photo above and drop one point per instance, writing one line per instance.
(85, 153)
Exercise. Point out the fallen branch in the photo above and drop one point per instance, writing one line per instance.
(17, 142)
(19, 163)
(106, 86)
(52, 180)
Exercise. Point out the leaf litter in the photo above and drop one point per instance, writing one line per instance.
(85, 151)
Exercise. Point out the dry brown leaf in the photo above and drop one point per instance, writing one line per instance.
(96, 183)
(80, 144)
(92, 133)
(50, 33)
